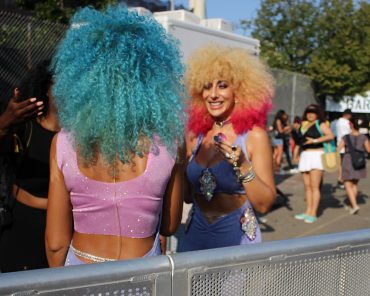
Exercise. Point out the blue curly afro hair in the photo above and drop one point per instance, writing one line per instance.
(118, 78)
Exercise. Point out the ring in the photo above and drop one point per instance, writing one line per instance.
(227, 155)
(232, 155)
(234, 147)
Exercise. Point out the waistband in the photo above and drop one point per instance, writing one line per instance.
(97, 259)
(89, 256)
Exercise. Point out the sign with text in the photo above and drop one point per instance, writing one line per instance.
(358, 104)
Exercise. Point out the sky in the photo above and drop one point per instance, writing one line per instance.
(230, 10)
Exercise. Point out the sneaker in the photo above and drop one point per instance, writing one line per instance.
(354, 210)
(340, 185)
(310, 219)
(294, 171)
(346, 207)
(300, 216)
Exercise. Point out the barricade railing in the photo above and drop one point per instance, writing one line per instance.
(333, 264)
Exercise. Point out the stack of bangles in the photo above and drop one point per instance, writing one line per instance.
(244, 178)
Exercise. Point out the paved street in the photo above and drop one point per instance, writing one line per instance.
(332, 215)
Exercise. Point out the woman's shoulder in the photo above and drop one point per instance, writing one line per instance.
(257, 134)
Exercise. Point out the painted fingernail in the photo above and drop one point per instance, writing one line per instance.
(33, 100)
(40, 108)
(38, 114)
(39, 103)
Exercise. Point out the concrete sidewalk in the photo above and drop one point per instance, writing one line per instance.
(332, 217)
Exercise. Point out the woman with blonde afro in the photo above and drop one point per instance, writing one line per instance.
(229, 170)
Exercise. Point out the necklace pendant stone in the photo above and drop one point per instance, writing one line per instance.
(207, 184)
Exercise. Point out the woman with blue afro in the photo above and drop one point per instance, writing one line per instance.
(115, 184)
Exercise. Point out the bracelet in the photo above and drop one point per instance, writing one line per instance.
(315, 141)
(248, 176)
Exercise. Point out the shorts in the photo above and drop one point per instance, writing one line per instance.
(310, 160)
(277, 142)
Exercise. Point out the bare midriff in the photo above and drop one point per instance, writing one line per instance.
(220, 205)
(111, 246)
(314, 149)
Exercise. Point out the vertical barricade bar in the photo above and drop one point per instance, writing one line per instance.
(334, 264)
(143, 277)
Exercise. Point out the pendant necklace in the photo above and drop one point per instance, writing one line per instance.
(207, 179)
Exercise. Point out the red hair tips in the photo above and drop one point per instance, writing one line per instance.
(200, 122)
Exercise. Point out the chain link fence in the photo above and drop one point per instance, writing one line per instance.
(293, 93)
(24, 42)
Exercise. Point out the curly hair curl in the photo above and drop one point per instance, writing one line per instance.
(118, 80)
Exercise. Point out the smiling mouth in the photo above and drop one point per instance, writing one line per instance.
(215, 104)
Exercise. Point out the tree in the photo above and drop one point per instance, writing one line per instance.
(340, 64)
(59, 10)
(327, 39)
(285, 29)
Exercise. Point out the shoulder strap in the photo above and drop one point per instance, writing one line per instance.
(241, 139)
(318, 127)
(199, 142)
(349, 143)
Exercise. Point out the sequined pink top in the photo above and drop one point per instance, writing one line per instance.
(130, 208)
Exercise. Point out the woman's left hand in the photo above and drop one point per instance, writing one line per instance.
(233, 154)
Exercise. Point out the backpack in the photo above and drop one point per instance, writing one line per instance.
(358, 158)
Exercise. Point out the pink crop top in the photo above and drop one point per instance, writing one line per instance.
(130, 208)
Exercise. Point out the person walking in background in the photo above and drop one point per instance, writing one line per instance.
(350, 174)
(115, 184)
(22, 244)
(333, 127)
(343, 128)
(296, 135)
(310, 164)
(281, 141)
(230, 167)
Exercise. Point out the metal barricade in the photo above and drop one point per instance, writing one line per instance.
(144, 277)
(334, 264)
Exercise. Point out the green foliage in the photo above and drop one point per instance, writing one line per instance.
(328, 40)
(59, 10)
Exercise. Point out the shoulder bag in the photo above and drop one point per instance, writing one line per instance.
(357, 156)
(330, 158)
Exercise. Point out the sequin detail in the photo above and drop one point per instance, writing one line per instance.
(249, 223)
(89, 256)
(207, 184)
